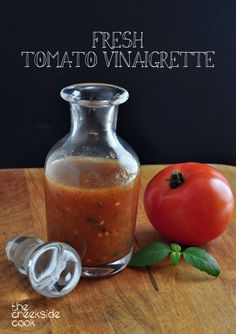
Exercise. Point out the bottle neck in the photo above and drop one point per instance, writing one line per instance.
(93, 120)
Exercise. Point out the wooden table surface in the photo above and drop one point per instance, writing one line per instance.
(160, 299)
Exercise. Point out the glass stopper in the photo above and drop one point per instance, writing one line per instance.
(53, 269)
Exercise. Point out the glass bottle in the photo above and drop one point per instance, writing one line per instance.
(92, 180)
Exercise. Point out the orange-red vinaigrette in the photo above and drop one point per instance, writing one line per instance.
(92, 205)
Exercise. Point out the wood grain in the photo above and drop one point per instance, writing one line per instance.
(160, 299)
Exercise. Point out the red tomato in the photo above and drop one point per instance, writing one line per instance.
(189, 203)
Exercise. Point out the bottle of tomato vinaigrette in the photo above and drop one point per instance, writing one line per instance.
(92, 180)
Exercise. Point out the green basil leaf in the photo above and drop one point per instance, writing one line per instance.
(175, 257)
(202, 260)
(175, 247)
(150, 254)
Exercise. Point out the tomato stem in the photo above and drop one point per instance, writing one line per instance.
(176, 179)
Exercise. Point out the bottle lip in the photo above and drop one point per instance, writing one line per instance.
(94, 94)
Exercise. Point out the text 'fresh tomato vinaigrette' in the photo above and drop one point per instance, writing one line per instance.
(92, 205)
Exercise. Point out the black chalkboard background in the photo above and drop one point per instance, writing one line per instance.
(184, 114)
